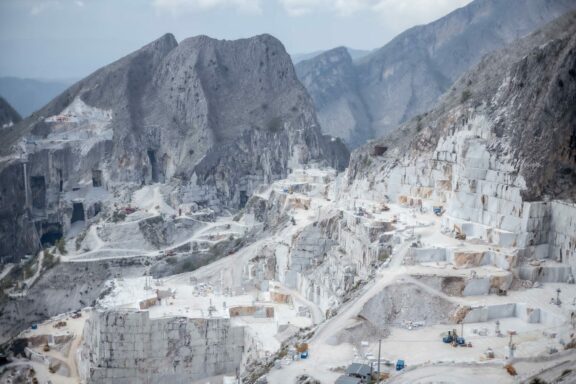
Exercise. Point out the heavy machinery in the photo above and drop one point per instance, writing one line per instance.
(400, 365)
(460, 235)
(448, 339)
(453, 338)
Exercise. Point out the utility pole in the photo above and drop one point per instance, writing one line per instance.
(379, 350)
(511, 345)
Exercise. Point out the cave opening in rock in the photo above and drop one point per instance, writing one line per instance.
(243, 199)
(38, 189)
(96, 178)
(153, 165)
(97, 208)
(61, 182)
(77, 212)
(379, 150)
(51, 232)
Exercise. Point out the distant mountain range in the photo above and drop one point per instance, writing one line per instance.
(29, 95)
(362, 99)
(354, 54)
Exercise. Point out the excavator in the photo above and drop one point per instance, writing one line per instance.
(460, 235)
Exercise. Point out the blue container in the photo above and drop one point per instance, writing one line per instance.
(304, 355)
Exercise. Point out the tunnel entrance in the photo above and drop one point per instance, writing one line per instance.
(97, 208)
(153, 165)
(96, 178)
(243, 199)
(38, 190)
(61, 182)
(77, 212)
(51, 232)
(379, 150)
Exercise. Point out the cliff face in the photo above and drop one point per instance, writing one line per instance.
(215, 117)
(407, 76)
(8, 116)
(498, 152)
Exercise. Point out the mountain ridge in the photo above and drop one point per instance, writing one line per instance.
(409, 74)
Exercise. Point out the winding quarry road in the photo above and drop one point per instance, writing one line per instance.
(323, 354)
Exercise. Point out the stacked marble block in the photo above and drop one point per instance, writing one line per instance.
(562, 235)
(126, 347)
(474, 284)
(525, 312)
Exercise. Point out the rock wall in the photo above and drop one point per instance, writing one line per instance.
(17, 236)
(562, 235)
(129, 347)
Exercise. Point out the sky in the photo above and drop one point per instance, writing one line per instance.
(69, 39)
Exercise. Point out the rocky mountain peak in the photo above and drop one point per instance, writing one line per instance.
(218, 118)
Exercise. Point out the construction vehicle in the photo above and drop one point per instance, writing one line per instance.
(460, 235)
(382, 207)
(448, 339)
(400, 365)
(454, 339)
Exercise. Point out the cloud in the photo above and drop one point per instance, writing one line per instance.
(390, 10)
(301, 7)
(344, 7)
(175, 6)
(40, 6)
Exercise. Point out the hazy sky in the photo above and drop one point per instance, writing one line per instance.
(72, 38)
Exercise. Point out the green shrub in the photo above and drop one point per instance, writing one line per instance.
(171, 260)
(275, 125)
(50, 259)
(61, 246)
(466, 94)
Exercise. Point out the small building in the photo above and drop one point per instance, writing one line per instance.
(347, 380)
(360, 371)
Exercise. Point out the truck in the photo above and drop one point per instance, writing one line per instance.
(400, 365)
